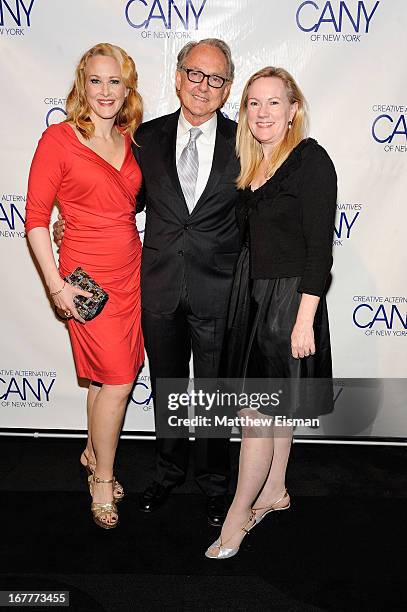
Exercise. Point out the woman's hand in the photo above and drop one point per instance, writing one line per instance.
(64, 300)
(302, 336)
(302, 340)
(62, 293)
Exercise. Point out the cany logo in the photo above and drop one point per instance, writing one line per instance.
(12, 215)
(142, 395)
(15, 13)
(345, 221)
(389, 127)
(57, 112)
(164, 14)
(20, 388)
(55, 115)
(336, 21)
(381, 315)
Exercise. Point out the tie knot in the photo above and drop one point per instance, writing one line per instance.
(194, 133)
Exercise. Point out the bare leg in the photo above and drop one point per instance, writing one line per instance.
(256, 455)
(262, 468)
(274, 487)
(107, 417)
(88, 455)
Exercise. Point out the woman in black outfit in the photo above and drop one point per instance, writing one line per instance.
(278, 322)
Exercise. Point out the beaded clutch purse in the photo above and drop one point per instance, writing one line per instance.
(87, 307)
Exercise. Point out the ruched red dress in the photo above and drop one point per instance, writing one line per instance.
(97, 202)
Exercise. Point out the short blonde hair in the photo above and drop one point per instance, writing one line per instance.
(248, 149)
(77, 107)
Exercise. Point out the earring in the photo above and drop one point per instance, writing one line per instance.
(290, 124)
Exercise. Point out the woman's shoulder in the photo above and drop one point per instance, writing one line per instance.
(312, 152)
(56, 133)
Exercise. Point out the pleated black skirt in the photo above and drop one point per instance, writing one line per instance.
(262, 314)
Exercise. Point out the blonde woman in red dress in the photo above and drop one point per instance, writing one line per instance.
(86, 163)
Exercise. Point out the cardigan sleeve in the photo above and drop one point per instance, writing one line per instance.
(46, 173)
(318, 195)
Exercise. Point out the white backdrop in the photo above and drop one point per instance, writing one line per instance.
(350, 59)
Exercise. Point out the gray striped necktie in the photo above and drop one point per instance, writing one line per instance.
(188, 165)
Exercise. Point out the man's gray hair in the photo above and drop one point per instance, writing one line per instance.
(212, 42)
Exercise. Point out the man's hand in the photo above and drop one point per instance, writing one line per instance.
(58, 230)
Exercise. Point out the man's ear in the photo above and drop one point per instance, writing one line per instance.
(177, 80)
(226, 92)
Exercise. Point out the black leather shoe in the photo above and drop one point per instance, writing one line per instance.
(216, 510)
(153, 497)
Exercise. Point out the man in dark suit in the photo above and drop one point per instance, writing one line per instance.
(190, 247)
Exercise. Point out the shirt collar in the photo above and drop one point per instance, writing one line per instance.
(208, 128)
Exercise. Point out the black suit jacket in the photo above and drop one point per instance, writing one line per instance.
(201, 247)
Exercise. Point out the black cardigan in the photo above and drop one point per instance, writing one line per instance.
(291, 219)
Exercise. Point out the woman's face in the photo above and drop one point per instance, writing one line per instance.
(269, 110)
(104, 87)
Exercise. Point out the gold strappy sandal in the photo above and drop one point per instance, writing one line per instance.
(101, 511)
(118, 490)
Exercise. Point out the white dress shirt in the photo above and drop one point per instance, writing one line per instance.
(205, 145)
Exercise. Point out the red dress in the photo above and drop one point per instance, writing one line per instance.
(98, 205)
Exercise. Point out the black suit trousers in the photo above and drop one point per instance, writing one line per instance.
(169, 340)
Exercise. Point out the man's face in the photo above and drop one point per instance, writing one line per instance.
(199, 101)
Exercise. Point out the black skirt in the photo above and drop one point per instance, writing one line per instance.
(262, 314)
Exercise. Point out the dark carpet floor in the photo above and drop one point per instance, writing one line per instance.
(342, 545)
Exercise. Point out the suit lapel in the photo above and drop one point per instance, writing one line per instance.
(224, 148)
(221, 156)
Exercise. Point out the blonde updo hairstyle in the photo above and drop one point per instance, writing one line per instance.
(248, 149)
(77, 107)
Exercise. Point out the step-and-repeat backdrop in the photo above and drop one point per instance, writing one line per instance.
(349, 57)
